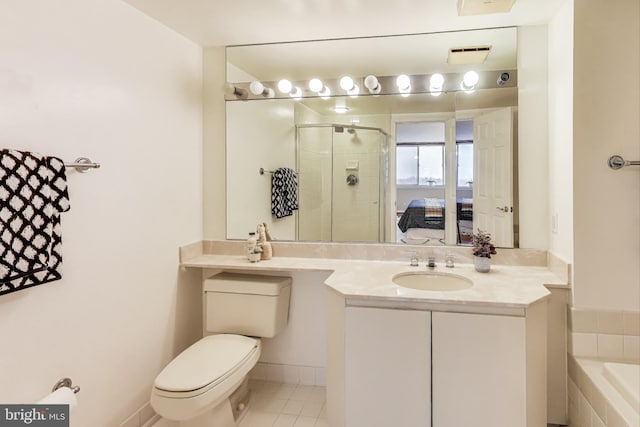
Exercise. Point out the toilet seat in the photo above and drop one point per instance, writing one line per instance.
(206, 364)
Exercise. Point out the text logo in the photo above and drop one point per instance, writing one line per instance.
(34, 415)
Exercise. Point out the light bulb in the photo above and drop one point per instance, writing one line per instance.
(355, 90)
(285, 86)
(470, 78)
(325, 93)
(315, 85)
(436, 81)
(404, 83)
(371, 83)
(296, 93)
(256, 88)
(435, 84)
(346, 83)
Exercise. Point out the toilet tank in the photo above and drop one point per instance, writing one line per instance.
(246, 304)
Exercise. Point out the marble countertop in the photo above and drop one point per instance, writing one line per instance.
(506, 289)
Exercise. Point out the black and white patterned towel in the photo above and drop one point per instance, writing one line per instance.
(33, 193)
(284, 192)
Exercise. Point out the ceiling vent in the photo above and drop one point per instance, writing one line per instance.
(468, 55)
(483, 7)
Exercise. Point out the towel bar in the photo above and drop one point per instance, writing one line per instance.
(617, 162)
(262, 171)
(82, 164)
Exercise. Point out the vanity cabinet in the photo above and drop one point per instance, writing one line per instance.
(489, 370)
(405, 367)
(388, 367)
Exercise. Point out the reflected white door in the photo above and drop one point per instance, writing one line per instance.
(492, 176)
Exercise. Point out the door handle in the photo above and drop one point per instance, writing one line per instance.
(505, 209)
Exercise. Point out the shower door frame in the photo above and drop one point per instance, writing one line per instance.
(383, 168)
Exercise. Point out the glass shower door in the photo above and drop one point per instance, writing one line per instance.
(340, 178)
(356, 185)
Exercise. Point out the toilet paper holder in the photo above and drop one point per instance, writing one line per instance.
(66, 382)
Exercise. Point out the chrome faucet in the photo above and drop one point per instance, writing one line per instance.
(414, 259)
(449, 261)
(431, 263)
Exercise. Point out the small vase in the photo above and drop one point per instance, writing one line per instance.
(482, 264)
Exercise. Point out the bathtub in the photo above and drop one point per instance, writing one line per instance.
(611, 389)
(625, 378)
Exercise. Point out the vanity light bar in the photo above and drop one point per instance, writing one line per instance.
(386, 85)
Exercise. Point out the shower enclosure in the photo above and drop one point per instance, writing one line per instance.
(343, 175)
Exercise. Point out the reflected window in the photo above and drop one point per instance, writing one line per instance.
(420, 153)
(464, 152)
(465, 164)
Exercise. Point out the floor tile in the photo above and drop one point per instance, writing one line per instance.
(258, 419)
(293, 407)
(275, 404)
(285, 420)
(305, 421)
(312, 409)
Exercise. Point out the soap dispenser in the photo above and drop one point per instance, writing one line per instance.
(252, 243)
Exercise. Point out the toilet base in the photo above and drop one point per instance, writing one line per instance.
(228, 413)
(220, 416)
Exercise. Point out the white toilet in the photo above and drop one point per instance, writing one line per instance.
(206, 385)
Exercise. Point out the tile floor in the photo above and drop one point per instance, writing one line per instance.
(280, 405)
(285, 405)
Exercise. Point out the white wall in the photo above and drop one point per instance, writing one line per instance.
(214, 173)
(96, 78)
(606, 107)
(303, 341)
(532, 137)
(560, 181)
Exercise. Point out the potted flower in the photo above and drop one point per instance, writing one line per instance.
(482, 250)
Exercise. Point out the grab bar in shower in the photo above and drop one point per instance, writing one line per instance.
(617, 162)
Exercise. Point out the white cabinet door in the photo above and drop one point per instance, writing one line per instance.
(388, 367)
(479, 374)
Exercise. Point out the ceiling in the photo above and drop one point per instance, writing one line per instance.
(233, 22)
(384, 56)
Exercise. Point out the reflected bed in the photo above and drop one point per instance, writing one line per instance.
(429, 213)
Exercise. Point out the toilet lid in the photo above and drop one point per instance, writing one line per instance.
(205, 362)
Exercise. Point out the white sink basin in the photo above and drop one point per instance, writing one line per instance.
(431, 281)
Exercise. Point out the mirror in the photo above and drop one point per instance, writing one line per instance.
(345, 163)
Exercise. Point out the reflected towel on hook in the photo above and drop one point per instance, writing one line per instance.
(33, 193)
(284, 192)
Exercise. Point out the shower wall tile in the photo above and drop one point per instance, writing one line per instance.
(610, 347)
(631, 320)
(289, 374)
(584, 345)
(609, 322)
(614, 333)
(631, 348)
(583, 320)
